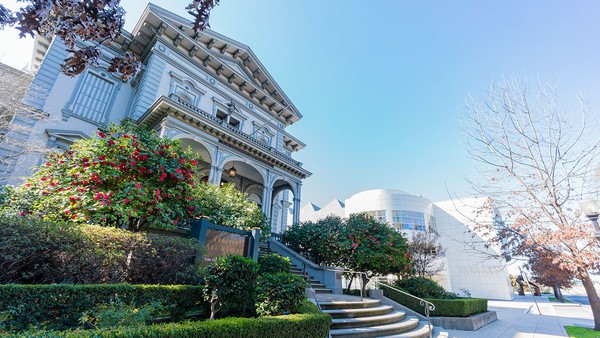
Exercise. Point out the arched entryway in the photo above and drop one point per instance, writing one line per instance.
(282, 209)
(246, 179)
(204, 165)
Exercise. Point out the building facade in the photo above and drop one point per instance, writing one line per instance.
(469, 264)
(204, 89)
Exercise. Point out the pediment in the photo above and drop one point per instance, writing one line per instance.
(227, 59)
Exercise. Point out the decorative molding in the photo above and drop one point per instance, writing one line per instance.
(210, 43)
(178, 40)
(170, 132)
(161, 29)
(224, 48)
(193, 51)
(207, 60)
(265, 84)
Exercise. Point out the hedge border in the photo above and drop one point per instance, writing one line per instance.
(59, 306)
(460, 307)
(311, 323)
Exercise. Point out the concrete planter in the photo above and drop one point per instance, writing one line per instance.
(471, 323)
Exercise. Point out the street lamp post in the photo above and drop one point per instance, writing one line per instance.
(591, 209)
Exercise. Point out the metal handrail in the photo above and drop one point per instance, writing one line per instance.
(312, 290)
(427, 306)
(359, 273)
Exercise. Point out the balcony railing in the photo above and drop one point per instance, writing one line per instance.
(236, 131)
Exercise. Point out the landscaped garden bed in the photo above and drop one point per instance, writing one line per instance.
(308, 323)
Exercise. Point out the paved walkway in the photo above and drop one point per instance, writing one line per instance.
(520, 318)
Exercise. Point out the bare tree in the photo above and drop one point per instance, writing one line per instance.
(535, 156)
(427, 254)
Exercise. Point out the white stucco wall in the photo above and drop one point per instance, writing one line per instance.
(468, 263)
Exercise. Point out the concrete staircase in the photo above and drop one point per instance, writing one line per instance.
(314, 283)
(352, 317)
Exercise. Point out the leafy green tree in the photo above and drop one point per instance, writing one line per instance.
(280, 293)
(126, 176)
(374, 247)
(230, 280)
(318, 241)
(359, 243)
(225, 205)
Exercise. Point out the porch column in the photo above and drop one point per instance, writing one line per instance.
(297, 195)
(214, 177)
(266, 201)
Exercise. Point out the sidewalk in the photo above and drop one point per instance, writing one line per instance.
(520, 318)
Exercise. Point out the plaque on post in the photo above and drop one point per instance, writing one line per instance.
(221, 241)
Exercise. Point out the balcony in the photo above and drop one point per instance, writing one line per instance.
(193, 115)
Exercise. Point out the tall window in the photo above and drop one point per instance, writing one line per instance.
(93, 98)
(377, 214)
(411, 220)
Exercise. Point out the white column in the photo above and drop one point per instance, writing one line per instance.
(214, 177)
(266, 201)
(297, 204)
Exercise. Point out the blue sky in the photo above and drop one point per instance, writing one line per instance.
(382, 84)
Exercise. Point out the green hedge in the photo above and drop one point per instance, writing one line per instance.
(38, 252)
(309, 324)
(461, 307)
(59, 306)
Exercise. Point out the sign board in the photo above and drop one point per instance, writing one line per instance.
(221, 241)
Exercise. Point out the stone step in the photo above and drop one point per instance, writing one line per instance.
(405, 326)
(322, 290)
(388, 318)
(421, 331)
(342, 304)
(362, 312)
(317, 285)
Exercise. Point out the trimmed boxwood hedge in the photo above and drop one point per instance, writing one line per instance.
(39, 252)
(59, 306)
(311, 323)
(461, 307)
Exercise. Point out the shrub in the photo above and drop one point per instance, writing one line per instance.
(35, 252)
(117, 313)
(311, 323)
(424, 288)
(127, 175)
(60, 306)
(273, 263)
(230, 280)
(461, 307)
(280, 293)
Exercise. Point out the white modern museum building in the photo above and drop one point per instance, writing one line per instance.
(469, 263)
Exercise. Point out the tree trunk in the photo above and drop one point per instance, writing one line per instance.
(350, 283)
(363, 285)
(557, 292)
(588, 284)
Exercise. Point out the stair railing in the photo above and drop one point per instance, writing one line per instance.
(427, 306)
(360, 274)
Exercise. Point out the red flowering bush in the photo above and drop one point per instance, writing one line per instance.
(359, 243)
(126, 176)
